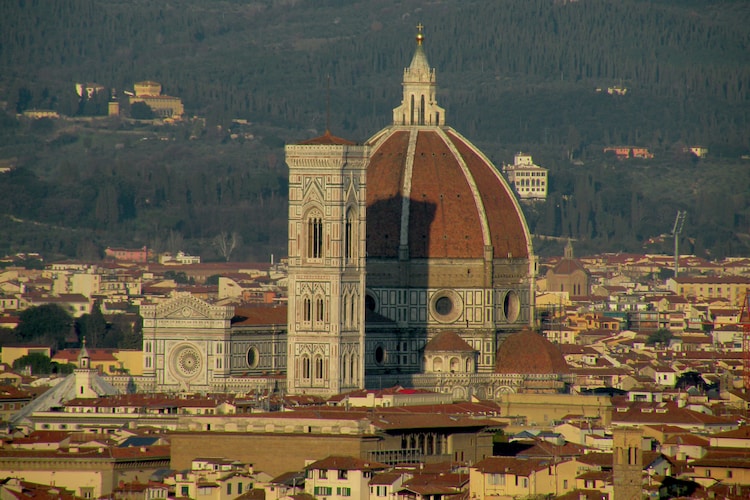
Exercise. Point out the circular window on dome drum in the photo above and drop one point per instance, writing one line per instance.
(511, 306)
(446, 306)
(379, 355)
(370, 303)
(253, 356)
(443, 306)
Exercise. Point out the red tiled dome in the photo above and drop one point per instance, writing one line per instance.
(458, 203)
(528, 352)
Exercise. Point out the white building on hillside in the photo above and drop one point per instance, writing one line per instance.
(529, 180)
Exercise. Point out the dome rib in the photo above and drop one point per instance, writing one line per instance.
(444, 221)
(406, 189)
(384, 199)
(509, 234)
(473, 186)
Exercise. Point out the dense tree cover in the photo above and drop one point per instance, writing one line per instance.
(92, 327)
(39, 364)
(513, 75)
(48, 324)
(122, 331)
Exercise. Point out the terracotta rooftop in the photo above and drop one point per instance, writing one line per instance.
(448, 341)
(512, 465)
(96, 355)
(327, 140)
(260, 315)
(568, 266)
(740, 433)
(347, 463)
(530, 353)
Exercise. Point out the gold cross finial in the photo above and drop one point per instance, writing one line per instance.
(420, 36)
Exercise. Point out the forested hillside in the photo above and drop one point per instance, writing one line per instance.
(513, 74)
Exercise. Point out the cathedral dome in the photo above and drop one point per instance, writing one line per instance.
(430, 192)
(527, 352)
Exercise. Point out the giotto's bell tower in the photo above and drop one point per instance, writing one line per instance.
(327, 202)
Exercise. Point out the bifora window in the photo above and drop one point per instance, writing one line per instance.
(315, 236)
(306, 309)
(319, 309)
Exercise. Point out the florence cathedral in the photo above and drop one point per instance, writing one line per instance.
(410, 262)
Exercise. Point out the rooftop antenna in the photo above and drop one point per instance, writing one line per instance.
(679, 223)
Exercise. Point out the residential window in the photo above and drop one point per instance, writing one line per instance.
(344, 492)
(229, 488)
(239, 487)
(496, 479)
(87, 492)
(343, 474)
(185, 491)
(729, 473)
(323, 474)
(323, 491)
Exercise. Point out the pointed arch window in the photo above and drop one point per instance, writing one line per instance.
(352, 310)
(421, 111)
(411, 119)
(306, 309)
(306, 367)
(319, 368)
(319, 310)
(349, 237)
(347, 320)
(315, 235)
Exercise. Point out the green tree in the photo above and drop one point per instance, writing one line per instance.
(92, 327)
(212, 280)
(8, 336)
(141, 111)
(179, 277)
(691, 379)
(44, 323)
(39, 364)
(660, 336)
